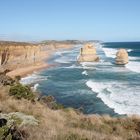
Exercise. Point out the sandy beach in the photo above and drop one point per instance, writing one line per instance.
(29, 69)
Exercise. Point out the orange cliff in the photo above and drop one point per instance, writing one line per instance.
(24, 58)
(17, 55)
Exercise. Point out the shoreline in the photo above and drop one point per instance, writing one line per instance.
(43, 64)
(23, 72)
(29, 69)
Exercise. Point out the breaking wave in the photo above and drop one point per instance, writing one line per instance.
(31, 79)
(134, 66)
(109, 52)
(117, 96)
(134, 63)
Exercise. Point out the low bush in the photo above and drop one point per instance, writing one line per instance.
(51, 102)
(56, 106)
(20, 91)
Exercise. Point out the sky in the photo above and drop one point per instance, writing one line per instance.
(36, 20)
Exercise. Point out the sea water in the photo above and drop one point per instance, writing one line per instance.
(99, 87)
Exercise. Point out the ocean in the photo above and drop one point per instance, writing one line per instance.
(99, 87)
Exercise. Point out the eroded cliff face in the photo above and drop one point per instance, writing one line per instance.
(14, 55)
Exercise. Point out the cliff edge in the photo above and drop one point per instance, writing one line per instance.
(18, 54)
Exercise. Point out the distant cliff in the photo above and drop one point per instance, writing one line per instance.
(15, 54)
(74, 42)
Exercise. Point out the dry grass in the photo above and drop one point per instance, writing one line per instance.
(67, 124)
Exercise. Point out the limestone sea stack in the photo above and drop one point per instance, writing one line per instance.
(122, 57)
(88, 54)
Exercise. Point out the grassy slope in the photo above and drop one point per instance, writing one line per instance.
(67, 124)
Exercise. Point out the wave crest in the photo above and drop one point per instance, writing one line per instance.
(117, 96)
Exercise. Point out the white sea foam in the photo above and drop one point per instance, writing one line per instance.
(98, 45)
(65, 57)
(58, 53)
(85, 67)
(62, 52)
(123, 98)
(74, 66)
(62, 60)
(85, 72)
(109, 52)
(134, 63)
(129, 50)
(134, 58)
(95, 65)
(34, 78)
(35, 87)
(134, 66)
(89, 65)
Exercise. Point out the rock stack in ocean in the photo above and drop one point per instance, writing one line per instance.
(122, 57)
(88, 54)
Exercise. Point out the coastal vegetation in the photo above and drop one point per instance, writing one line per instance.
(20, 91)
(42, 119)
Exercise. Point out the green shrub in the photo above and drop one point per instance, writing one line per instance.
(47, 99)
(4, 133)
(51, 102)
(57, 106)
(20, 91)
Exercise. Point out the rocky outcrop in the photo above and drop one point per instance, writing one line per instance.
(121, 57)
(19, 118)
(6, 80)
(88, 54)
(11, 125)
